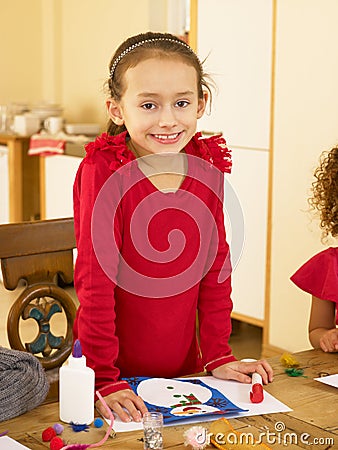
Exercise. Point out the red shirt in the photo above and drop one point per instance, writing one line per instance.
(319, 276)
(148, 261)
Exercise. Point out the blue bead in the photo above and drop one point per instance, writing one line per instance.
(98, 422)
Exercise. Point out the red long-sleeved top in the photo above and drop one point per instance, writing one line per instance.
(147, 326)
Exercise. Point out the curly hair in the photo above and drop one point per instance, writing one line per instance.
(325, 192)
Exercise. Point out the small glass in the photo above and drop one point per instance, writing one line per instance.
(3, 118)
(152, 427)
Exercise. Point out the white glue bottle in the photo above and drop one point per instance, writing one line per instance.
(76, 389)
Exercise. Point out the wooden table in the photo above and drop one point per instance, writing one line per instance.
(314, 404)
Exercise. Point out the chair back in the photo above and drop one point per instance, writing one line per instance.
(41, 254)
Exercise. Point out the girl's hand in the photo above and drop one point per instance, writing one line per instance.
(126, 404)
(329, 341)
(240, 371)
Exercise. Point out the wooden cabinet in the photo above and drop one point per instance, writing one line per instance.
(277, 107)
(249, 180)
(4, 185)
(36, 187)
(235, 37)
(23, 186)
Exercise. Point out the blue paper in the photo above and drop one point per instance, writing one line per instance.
(179, 399)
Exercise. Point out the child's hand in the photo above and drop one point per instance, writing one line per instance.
(329, 341)
(240, 371)
(126, 404)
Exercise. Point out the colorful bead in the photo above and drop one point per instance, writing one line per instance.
(98, 422)
(48, 434)
(58, 428)
(56, 443)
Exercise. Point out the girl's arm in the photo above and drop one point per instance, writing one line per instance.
(322, 327)
(214, 303)
(95, 321)
(214, 309)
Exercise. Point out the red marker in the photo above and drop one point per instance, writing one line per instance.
(256, 394)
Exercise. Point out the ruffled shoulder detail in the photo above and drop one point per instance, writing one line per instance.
(319, 275)
(213, 150)
(119, 154)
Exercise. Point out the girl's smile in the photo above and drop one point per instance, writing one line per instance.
(167, 138)
(159, 106)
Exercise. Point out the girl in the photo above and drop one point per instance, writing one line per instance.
(319, 275)
(150, 230)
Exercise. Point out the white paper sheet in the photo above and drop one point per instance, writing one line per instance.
(331, 380)
(237, 393)
(7, 443)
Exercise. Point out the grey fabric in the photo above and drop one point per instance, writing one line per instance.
(23, 383)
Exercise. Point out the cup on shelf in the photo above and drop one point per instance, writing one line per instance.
(3, 118)
(53, 125)
(26, 125)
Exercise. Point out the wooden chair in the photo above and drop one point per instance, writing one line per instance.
(41, 254)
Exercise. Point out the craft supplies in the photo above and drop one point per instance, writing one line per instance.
(103, 440)
(197, 437)
(98, 422)
(152, 428)
(256, 393)
(48, 434)
(58, 428)
(288, 360)
(77, 427)
(56, 443)
(291, 364)
(293, 372)
(224, 437)
(76, 389)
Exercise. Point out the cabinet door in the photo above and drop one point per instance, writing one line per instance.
(235, 37)
(4, 185)
(60, 171)
(249, 183)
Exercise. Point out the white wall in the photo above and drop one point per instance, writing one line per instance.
(20, 51)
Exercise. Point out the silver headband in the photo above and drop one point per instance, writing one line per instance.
(138, 44)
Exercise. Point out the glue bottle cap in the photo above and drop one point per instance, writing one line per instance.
(77, 358)
(77, 349)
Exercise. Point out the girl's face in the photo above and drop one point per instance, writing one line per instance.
(160, 105)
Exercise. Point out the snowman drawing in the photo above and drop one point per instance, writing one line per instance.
(182, 398)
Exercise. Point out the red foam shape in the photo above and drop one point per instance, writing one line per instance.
(48, 434)
(257, 395)
(56, 443)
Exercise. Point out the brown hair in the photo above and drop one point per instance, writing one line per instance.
(325, 192)
(143, 46)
